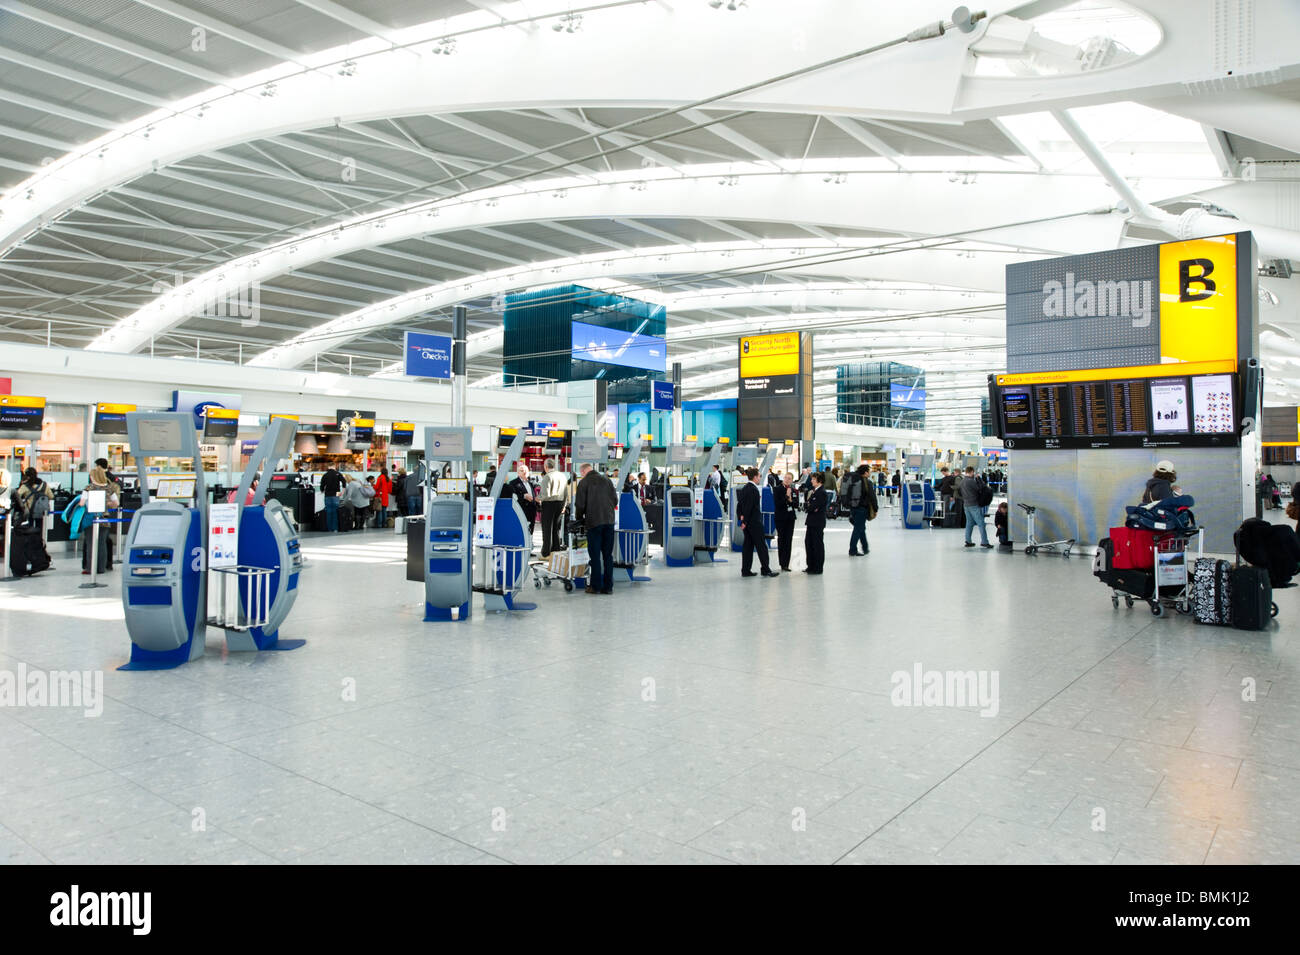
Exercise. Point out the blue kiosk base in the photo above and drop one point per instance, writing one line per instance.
(500, 603)
(255, 640)
(449, 614)
(142, 659)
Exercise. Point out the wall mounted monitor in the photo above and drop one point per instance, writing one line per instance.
(1213, 404)
(1171, 407)
(215, 429)
(1017, 412)
(403, 436)
(1129, 407)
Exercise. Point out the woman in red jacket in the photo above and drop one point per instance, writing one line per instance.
(383, 487)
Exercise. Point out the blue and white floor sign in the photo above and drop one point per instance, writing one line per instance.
(428, 356)
(663, 395)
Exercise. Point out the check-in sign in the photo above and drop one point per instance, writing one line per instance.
(428, 356)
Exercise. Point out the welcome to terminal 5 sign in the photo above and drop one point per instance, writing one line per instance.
(1172, 302)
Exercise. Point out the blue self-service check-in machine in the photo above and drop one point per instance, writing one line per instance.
(164, 585)
(631, 530)
(503, 545)
(914, 504)
(710, 518)
(269, 565)
(448, 537)
(679, 509)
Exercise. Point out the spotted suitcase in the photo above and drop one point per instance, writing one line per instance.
(1212, 591)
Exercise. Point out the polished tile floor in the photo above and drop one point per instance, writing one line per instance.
(697, 718)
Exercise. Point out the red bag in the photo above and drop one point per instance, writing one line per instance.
(1134, 548)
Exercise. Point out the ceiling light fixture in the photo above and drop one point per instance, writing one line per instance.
(569, 23)
(348, 68)
(447, 45)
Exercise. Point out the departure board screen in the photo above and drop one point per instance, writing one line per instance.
(1052, 404)
(1128, 407)
(1170, 410)
(1090, 419)
(1017, 413)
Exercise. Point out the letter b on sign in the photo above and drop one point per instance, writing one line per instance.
(1194, 282)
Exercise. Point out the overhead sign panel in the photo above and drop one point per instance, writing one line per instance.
(110, 419)
(427, 356)
(775, 386)
(663, 392)
(1167, 303)
(21, 416)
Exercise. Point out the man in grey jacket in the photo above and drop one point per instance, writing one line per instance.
(969, 491)
(596, 505)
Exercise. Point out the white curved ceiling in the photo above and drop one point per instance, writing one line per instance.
(368, 164)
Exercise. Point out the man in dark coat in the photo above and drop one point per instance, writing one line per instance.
(749, 508)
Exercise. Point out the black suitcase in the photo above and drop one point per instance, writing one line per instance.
(29, 555)
(1252, 598)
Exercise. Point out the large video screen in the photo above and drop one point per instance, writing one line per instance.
(906, 396)
(609, 346)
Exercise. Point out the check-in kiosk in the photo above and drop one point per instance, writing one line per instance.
(710, 519)
(502, 543)
(631, 529)
(164, 593)
(261, 584)
(913, 510)
(448, 567)
(679, 523)
(742, 458)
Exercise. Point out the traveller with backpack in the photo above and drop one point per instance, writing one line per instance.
(31, 503)
(860, 497)
(976, 496)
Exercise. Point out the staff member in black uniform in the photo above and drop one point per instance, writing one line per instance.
(521, 490)
(815, 525)
(785, 496)
(749, 508)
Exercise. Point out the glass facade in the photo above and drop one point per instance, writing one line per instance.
(880, 393)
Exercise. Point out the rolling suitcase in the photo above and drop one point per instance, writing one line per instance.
(1211, 590)
(1134, 582)
(1252, 598)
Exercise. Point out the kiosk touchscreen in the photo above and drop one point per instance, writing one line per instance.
(632, 537)
(679, 529)
(268, 551)
(164, 594)
(447, 534)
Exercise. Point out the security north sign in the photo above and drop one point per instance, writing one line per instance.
(427, 356)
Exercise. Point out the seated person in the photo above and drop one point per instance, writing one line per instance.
(1161, 483)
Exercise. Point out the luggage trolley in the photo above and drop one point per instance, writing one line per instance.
(575, 537)
(1033, 545)
(1169, 585)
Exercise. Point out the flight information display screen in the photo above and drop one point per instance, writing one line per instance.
(1052, 407)
(1017, 413)
(1090, 418)
(1167, 411)
(1128, 407)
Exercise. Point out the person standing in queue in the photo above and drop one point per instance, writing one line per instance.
(596, 504)
(555, 492)
(331, 482)
(814, 544)
(786, 498)
(749, 508)
(522, 491)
